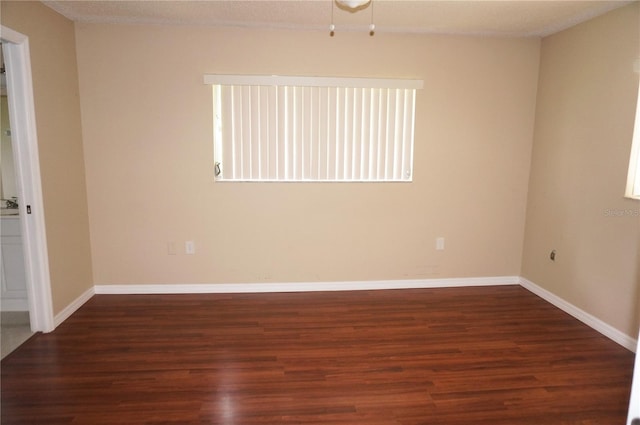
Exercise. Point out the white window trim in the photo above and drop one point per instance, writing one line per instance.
(279, 80)
(633, 177)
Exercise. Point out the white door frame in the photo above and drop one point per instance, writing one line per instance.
(634, 401)
(17, 58)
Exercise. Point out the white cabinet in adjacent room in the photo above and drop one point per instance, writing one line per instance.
(12, 275)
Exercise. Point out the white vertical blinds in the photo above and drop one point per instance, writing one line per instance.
(332, 130)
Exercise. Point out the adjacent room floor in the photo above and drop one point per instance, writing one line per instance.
(450, 356)
(14, 330)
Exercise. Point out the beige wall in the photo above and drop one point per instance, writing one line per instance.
(148, 152)
(57, 109)
(584, 124)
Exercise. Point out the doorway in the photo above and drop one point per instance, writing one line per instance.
(15, 326)
(15, 47)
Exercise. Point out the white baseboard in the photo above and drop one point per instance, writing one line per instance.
(586, 318)
(71, 308)
(15, 304)
(224, 288)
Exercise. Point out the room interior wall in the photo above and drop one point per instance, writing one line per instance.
(57, 109)
(584, 124)
(147, 131)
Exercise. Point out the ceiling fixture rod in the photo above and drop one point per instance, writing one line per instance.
(372, 26)
(352, 6)
(332, 27)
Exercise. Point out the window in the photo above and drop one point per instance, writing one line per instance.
(272, 128)
(633, 177)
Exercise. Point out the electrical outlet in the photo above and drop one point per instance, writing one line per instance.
(440, 244)
(189, 247)
(171, 248)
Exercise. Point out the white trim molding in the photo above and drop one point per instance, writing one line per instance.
(289, 80)
(634, 398)
(227, 288)
(27, 167)
(73, 307)
(586, 318)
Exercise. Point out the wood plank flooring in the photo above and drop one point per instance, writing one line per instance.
(488, 355)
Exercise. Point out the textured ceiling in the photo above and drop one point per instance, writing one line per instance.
(475, 17)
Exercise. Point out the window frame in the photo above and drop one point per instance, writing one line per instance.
(632, 190)
(218, 81)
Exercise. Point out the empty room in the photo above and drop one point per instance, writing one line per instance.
(320, 212)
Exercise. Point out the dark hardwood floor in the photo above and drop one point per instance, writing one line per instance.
(488, 355)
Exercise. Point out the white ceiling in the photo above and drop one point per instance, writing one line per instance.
(474, 17)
